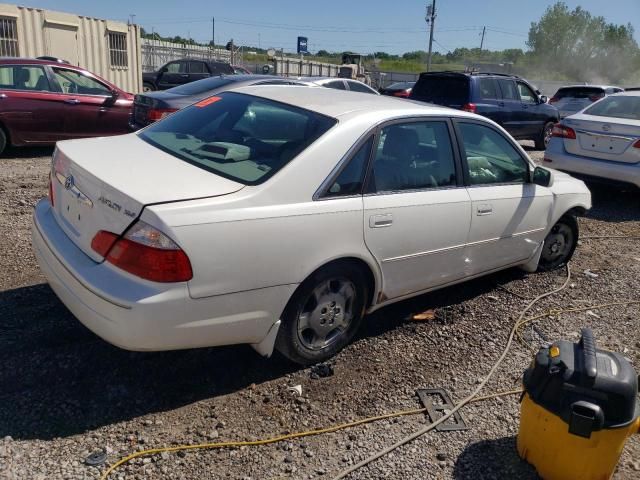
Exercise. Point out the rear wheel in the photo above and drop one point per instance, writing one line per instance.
(545, 136)
(323, 314)
(559, 244)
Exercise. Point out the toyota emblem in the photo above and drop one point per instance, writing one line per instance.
(68, 183)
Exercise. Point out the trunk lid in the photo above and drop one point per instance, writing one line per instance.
(104, 183)
(604, 138)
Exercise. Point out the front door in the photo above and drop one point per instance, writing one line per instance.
(174, 74)
(416, 211)
(509, 214)
(91, 110)
(533, 118)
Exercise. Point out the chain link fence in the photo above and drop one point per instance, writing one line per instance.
(156, 53)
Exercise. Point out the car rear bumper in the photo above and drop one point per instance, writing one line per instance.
(557, 157)
(135, 314)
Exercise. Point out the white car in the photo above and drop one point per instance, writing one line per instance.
(280, 215)
(572, 99)
(337, 84)
(600, 143)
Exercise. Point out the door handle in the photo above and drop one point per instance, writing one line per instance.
(72, 101)
(501, 104)
(184, 75)
(484, 210)
(379, 221)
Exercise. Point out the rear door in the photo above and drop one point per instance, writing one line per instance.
(29, 105)
(91, 110)
(511, 107)
(416, 211)
(489, 99)
(177, 73)
(198, 70)
(509, 214)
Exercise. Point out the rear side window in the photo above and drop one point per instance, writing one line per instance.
(197, 67)
(616, 107)
(578, 92)
(442, 89)
(244, 138)
(350, 180)
(488, 88)
(508, 88)
(18, 77)
(359, 87)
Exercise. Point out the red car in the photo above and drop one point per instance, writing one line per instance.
(43, 101)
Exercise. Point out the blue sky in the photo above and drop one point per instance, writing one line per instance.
(394, 26)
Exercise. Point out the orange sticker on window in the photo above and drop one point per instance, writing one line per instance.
(207, 101)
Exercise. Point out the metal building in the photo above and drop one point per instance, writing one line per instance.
(107, 48)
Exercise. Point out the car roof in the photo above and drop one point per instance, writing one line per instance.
(588, 86)
(340, 103)
(34, 61)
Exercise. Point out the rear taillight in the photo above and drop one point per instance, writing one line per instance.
(402, 93)
(470, 107)
(145, 252)
(51, 200)
(156, 114)
(637, 144)
(554, 100)
(595, 98)
(562, 131)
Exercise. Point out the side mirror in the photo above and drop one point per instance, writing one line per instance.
(543, 177)
(115, 94)
(544, 99)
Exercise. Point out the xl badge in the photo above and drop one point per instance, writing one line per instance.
(69, 182)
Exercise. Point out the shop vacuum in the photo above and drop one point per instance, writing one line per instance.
(578, 408)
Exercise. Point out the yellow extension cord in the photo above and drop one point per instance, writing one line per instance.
(266, 441)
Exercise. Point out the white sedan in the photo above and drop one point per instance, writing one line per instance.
(279, 216)
(602, 142)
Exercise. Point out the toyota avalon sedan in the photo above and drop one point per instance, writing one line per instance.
(278, 216)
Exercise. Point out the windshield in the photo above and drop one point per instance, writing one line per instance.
(442, 89)
(241, 137)
(201, 86)
(616, 107)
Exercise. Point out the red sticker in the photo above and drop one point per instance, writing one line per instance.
(207, 101)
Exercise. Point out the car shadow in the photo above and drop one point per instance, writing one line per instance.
(59, 379)
(26, 152)
(498, 458)
(614, 204)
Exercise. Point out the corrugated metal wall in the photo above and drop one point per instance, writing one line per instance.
(83, 41)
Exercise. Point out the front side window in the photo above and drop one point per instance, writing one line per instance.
(415, 155)
(350, 180)
(73, 82)
(118, 49)
(526, 94)
(509, 90)
(244, 138)
(8, 37)
(18, 77)
(490, 156)
(177, 67)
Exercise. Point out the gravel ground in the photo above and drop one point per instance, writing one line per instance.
(64, 393)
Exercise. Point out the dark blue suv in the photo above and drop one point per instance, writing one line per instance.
(508, 100)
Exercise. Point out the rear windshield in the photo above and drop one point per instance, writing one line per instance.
(616, 107)
(442, 89)
(241, 137)
(578, 92)
(201, 86)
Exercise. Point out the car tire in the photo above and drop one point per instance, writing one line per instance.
(3, 140)
(559, 244)
(147, 87)
(323, 314)
(545, 135)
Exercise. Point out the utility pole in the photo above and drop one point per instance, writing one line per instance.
(213, 33)
(431, 19)
(484, 30)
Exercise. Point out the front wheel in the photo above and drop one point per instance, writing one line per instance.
(542, 142)
(323, 314)
(559, 244)
(147, 87)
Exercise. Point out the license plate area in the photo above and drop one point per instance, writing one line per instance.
(603, 143)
